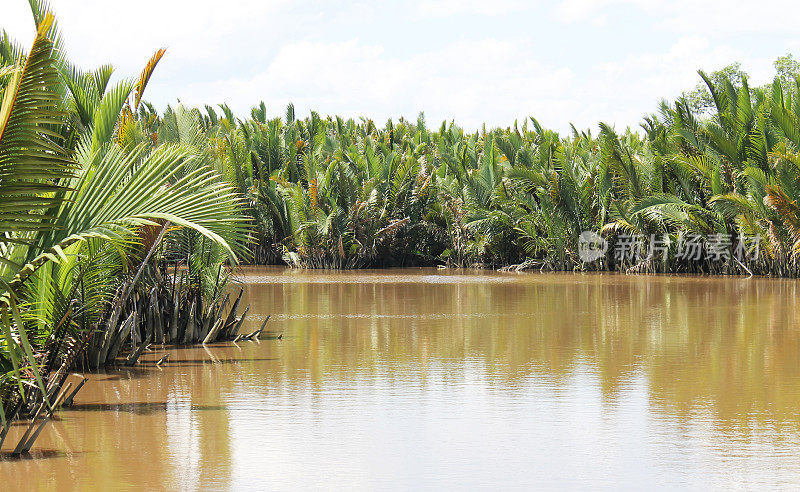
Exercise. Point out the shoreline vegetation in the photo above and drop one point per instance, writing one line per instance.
(119, 223)
(106, 247)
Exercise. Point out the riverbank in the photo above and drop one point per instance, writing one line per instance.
(142, 318)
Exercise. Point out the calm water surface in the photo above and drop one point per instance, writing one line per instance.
(408, 379)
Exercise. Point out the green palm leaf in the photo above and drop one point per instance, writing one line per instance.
(31, 160)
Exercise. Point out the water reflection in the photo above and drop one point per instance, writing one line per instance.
(731, 344)
(418, 377)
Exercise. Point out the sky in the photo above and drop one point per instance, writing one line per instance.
(491, 61)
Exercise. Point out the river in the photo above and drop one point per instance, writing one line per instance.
(443, 379)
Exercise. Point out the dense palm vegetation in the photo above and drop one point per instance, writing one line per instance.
(328, 192)
(89, 223)
(116, 219)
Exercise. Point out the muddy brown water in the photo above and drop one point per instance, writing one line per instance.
(406, 379)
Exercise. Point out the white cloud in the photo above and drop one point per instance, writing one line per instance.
(631, 86)
(574, 61)
(594, 10)
(710, 17)
(578, 10)
(727, 16)
(471, 81)
(102, 31)
(439, 8)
